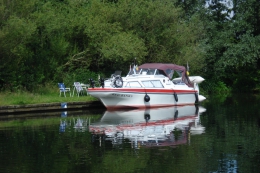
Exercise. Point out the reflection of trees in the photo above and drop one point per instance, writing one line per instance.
(36, 145)
(233, 134)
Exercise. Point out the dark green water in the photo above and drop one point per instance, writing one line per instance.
(224, 138)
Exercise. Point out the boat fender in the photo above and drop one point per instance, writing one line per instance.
(146, 98)
(197, 110)
(176, 114)
(175, 97)
(196, 98)
(118, 82)
(92, 82)
(147, 117)
(102, 83)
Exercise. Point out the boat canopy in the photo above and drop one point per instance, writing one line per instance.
(168, 70)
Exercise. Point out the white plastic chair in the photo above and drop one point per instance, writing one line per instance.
(78, 88)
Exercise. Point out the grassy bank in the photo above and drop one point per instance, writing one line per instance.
(41, 95)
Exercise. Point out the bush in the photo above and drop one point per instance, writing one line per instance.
(215, 87)
(78, 75)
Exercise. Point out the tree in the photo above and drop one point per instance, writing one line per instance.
(43, 39)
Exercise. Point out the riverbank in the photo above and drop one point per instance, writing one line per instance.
(25, 98)
(57, 106)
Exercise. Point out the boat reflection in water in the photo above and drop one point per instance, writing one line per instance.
(167, 126)
(79, 124)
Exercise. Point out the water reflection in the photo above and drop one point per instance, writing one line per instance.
(79, 124)
(169, 126)
(50, 142)
(64, 114)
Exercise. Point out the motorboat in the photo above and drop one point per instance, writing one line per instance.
(167, 126)
(149, 85)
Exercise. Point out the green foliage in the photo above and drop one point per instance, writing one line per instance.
(43, 41)
(77, 75)
(123, 47)
(47, 40)
(215, 87)
(247, 80)
(232, 45)
(14, 36)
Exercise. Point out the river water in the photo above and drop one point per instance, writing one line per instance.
(220, 135)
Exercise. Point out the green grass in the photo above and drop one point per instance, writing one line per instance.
(46, 94)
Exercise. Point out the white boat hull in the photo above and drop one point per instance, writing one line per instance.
(134, 98)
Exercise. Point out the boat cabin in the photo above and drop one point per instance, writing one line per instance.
(150, 75)
(159, 70)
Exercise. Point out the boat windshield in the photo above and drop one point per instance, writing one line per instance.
(169, 72)
(173, 73)
(179, 73)
(146, 71)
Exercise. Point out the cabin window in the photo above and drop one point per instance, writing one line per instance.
(151, 72)
(159, 72)
(170, 73)
(153, 84)
(133, 84)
